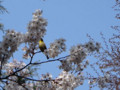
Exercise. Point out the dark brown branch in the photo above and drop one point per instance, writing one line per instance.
(30, 63)
(59, 59)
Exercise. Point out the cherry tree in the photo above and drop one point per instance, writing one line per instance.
(19, 75)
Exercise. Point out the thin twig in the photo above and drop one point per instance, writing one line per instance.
(59, 59)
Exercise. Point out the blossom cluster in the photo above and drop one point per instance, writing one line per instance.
(46, 84)
(12, 85)
(36, 28)
(10, 43)
(90, 46)
(107, 81)
(74, 61)
(77, 55)
(14, 66)
(14, 81)
(57, 47)
(12, 39)
(65, 81)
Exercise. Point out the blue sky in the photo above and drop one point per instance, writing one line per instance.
(69, 19)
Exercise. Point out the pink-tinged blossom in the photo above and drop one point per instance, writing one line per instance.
(75, 61)
(9, 45)
(56, 48)
(36, 28)
(14, 66)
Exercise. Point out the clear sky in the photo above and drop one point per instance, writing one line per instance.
(69, 19)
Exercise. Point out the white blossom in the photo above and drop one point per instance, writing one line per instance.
(74, 61)
(9, 45)
(36, 28)
(14, 66)
(13, 86)
(67, 81)
(90, 46)
(57, 47)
